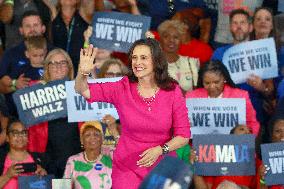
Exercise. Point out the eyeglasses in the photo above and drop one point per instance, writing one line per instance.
(55, 64)
(171, 6)
(111, 74)
(17, 133)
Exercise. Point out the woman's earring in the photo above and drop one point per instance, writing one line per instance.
(225, 81)
(82, 146)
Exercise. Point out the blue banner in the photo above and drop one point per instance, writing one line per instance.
(215, 115)
(40, 103)
(35, 182)
(169, 173)
(254, 57)
(118, 31)
(220, 155)
(273, 156)
(80, 110)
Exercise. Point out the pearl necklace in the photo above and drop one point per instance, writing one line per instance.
(91, 161)
(149, 100)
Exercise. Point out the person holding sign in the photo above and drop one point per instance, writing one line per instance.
(213, 182)
(17, 161)
(276, 135)
(49, 136)
(214, 81)
(150, 106)
(241, 27)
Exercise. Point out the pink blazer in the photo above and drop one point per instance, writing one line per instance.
(230, 92)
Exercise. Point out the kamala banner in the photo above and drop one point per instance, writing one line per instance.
(78, 109)
(215, 115)
(35, 182)
(254, 57)
(117, 31)
(273, 156)
(171, 172)
(220, 155)
(40, 103)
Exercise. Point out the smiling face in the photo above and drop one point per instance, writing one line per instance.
(142, 62)
(263, 23)
(58, 67)
(17, 136)
(92, 138)
(278, 131)
(170, 40)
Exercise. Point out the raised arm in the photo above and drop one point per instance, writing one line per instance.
(87, 57)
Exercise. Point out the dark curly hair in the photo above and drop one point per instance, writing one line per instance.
(162, 78)
(215, 66)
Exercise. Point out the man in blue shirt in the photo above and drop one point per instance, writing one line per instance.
(241, 27)
(15, 68)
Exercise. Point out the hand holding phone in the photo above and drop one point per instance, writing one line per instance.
(28, 167)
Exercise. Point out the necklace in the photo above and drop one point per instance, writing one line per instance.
(149, 100)
(91, 161)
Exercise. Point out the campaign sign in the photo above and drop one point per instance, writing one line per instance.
(215, 115)
(61, 184)
(35, 182)
(254, 57)
(220, 155)
(78, 109)
(40, 103)
(171, 172)
(273, 156)
(118, 31)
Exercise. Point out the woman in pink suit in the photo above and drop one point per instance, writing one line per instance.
(151, 109)
(214, 81)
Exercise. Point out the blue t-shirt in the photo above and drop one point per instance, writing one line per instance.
(13, 64)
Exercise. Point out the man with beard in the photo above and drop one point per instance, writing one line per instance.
(14, 62)
(240, 27)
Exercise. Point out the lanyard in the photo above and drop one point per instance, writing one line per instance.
(70, 34)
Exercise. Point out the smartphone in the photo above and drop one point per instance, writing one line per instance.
(28, 167)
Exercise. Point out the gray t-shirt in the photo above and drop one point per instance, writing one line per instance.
(223, 34)
(13, 36)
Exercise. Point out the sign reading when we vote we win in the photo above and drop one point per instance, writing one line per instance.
(215, 115)
(118, 31)
(224, 155)
(273, 156)
(40, 103)
(78, 109)
(254, 57)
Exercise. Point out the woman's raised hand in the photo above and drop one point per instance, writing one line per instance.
(87, 57)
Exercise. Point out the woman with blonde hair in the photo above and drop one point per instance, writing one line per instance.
(48, 136)
(112, 68)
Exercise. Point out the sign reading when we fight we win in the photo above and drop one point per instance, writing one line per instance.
(224, 155)
(40, 103)
(118, 31)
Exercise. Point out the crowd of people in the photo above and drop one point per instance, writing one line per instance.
(180, 58)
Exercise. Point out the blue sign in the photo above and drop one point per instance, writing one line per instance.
(35, 182)
(254, 57)
(215, 115)
(80, 110)
(117, 31)
(273, 156)
(169, 173)
(40, 103)
(220, 155)
(280, 5)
